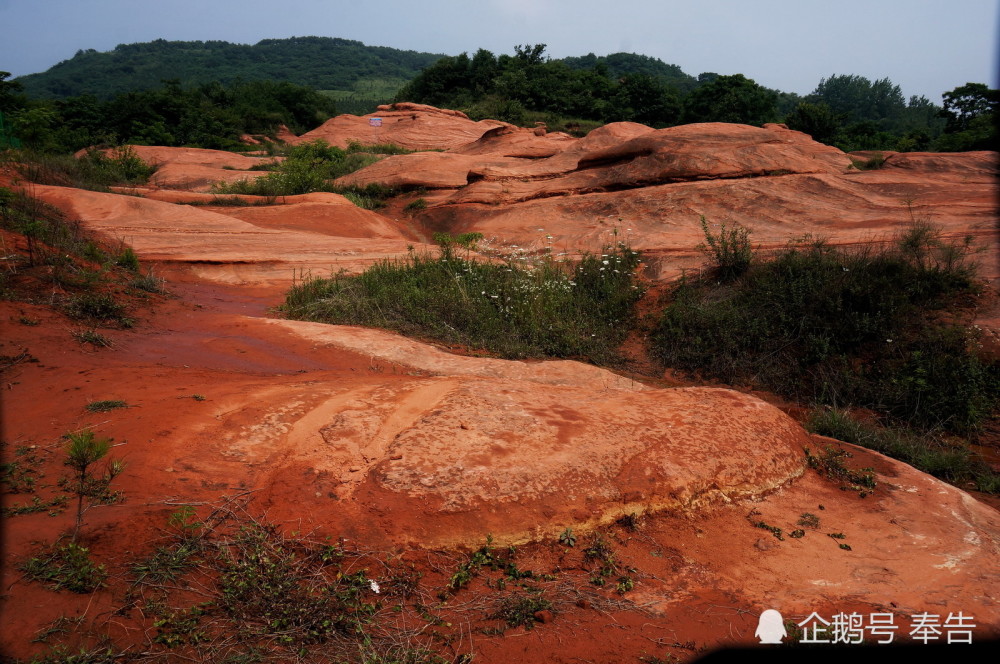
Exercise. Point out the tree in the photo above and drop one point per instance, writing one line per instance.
(646, 99)
(817, 120)
(9, 97)
(966, 103)
(733, 98)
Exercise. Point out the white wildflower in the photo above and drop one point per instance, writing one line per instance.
(374, 586)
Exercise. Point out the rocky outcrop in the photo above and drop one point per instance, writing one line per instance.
(412, 126)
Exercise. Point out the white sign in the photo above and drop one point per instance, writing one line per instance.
(375, 122)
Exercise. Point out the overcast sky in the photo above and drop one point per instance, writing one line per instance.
(927, 47)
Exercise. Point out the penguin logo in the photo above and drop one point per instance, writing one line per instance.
(771, 628)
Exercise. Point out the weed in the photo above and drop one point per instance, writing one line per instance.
(774, 530)
(947, 458)
(95, 306)
(730, 249)
(601, 553)
(310, 167)
(416, 205)
(181, 627)
(875, 162)
(148, 283)
(808, 519)
(96, 170)
(830, 464)
(20, 476)
(30, 322)
(519, 610)
(93, 338)
(61, 625)
(68, 566)
(53, 506)
(797, 533)
(128, 259)
(567, 538)
(198, 397)
(105, 406)
(464, 240)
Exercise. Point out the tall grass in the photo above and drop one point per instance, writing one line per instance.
(868, 326)
(95, 170)
(514, 309)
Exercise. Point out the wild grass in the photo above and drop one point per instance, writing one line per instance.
(95, 170)
(517, 308)
(872, 326)
(946, 457)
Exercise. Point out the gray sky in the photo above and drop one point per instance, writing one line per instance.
(927, 47)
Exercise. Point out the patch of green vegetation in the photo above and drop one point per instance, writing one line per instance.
(92, 337)
(97, 306)
(830, 463)
(946, 457)
(866, 326)
(489, 557)
(873, 163)
(808, 519)
(730, 249)
(520, 308)
(415, 206)
(68, 566)
(519, 609)
(96, 169)
(312, 167)
(54, 506)
(105, 405)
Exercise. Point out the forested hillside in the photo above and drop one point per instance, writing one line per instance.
(322, 63)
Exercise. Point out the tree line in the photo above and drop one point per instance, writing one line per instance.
(209, 115)
(848, 111)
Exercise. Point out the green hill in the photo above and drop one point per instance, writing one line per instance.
(323, 63)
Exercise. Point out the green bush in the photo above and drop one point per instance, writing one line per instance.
(309, 167)
(842, 326)
(730, 249)
(550, 308)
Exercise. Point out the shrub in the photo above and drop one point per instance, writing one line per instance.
(730, 249)
(550, 308)
(310, 167)
(842, 326)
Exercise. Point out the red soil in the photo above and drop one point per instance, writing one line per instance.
(405, 449)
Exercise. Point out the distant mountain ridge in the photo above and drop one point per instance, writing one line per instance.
(323, 63)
